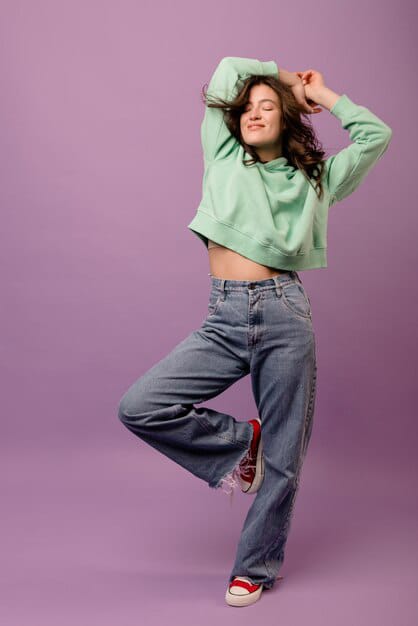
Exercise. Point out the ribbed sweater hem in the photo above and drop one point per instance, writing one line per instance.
(206, 227)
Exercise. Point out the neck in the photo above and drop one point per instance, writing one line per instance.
(269, 153)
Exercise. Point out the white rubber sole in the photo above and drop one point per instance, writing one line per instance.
(242, 599)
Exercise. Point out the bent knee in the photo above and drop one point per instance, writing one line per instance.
(128, 408)
(136, 404)
(144, 397)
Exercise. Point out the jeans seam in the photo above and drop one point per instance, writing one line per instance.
(209, 428)
(309, 415)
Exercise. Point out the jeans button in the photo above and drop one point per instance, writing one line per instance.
(251, 286)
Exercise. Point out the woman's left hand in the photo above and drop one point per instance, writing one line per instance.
(297, 81)
(298, 90)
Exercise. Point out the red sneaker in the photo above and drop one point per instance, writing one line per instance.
(242, 591)
(251, 468)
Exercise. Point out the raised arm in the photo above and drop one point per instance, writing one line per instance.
(370, 137)
(217, 141)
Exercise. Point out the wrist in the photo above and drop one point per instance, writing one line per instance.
(288, 78)
(326, 97)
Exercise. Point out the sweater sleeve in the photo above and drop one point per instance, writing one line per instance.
(371, 137)
(217, 141)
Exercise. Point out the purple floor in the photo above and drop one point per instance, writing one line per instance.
(124, 536)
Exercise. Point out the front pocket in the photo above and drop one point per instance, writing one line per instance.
(296, 299)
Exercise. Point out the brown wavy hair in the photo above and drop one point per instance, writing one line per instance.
(300, 145)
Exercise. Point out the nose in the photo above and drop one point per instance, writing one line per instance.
(254, 115)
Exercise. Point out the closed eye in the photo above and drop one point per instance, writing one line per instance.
(246, 110)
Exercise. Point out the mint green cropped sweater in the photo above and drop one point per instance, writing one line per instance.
(269, 212)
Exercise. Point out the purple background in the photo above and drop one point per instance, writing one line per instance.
(101, 171)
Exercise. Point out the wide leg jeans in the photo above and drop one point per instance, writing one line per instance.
(262, 328)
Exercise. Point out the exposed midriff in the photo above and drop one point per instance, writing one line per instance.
(230, 265)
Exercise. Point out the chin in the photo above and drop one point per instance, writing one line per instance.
(254, 145)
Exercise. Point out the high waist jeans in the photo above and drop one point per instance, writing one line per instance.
(263, 328)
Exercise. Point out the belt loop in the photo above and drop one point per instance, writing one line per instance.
(278, 287)
(222, 287)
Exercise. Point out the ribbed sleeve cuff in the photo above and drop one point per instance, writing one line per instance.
(343, 105)
(269, 67)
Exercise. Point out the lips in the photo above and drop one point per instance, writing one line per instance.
(254, 126)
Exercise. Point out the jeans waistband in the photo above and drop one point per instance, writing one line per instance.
(225, 284)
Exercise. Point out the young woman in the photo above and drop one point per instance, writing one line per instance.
(262, 219)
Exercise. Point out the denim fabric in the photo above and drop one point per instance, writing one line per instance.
(262, 328)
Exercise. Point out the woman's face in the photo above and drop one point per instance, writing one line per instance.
(263, 109)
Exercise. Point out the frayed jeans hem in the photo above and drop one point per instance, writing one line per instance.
(229, 481)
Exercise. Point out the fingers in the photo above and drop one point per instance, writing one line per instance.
(311, 108)
(305, 75)
(306, 107)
